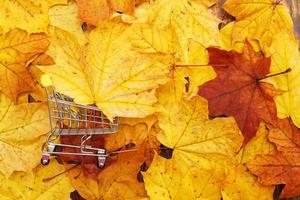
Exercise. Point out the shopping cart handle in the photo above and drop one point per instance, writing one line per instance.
(46, 80)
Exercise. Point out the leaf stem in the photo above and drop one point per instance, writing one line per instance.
(50, 178)
(284, 72)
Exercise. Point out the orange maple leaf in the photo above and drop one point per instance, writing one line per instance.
(95, 11)
(17, 50)
(283, 167)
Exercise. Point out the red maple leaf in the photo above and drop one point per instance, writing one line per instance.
(238, 89)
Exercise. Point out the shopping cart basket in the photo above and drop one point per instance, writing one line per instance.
(68, 118)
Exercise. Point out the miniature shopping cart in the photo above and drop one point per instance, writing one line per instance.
(70, 119)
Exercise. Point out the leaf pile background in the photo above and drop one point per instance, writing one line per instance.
(207, 93)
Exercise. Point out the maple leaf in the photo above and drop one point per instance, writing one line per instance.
(238, 91)
(204, 161)
(173, 179)
(99, 79)
(190, 20)
(65, 17)
(285, 136)
(261, 19)
(278, 169)
(163, 45)
(136, 135)
(39, 183)
(95, 11)
(282, 167)
(284, 55)
(89, 11)
(21, 134)
(187, 130)
(149, 121)
(116, 181)
(240, 184)
(31, 16)
(17, 50)
(259, 145)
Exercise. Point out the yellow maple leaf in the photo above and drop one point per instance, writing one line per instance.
(29, 15)
(284, 54)
(149, 121)
(117, 181)
(260, 19)
(42, 183)
(206, 147)
(187, 129)
(184, 77)
(128, 135)
(17, 50)
(189, 20)
(174, 179)
(257, 146)
(21, 130)
(94, 76)
(65, 17)
(240, 184)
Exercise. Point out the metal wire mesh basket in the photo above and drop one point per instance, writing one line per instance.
(68, 118)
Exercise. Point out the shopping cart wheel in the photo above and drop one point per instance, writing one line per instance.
(101, 162)
(45, 160)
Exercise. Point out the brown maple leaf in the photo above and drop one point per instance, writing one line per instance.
(238, 89)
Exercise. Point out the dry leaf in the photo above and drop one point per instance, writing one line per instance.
(17, 50)
(29, 15)
(238, 90)
(22, 132)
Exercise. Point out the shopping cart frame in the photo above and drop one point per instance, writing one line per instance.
(71, 119)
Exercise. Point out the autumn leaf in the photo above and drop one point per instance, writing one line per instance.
(31, 16)
(136, 135)
(145, 62)
(187, 130)
(278, 169)
(204, 162)
(281, 168)
(260, 19)
(17, 50)
(284, 54)
(240, 184)
(43, 182)
(188, 19)
(94, 12)
(99, 80)
(173, 179)
(21, 137)
(65, 17)
(259, 145)
(238, 90)
(163, 45)
(89, 11)
(285, 136)
(117, 181)
(149, 121)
